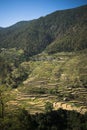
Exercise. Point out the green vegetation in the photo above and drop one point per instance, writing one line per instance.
(54, 120)
(59, 77)
(75, 39)
(60, 31)
(48, 107)
(43, 67)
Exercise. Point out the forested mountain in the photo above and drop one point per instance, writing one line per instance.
(60, 31)
(43, 68)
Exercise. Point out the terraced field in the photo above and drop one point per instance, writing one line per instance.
(35, 102)
(60, 79)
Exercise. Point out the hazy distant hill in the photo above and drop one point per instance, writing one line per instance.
(60, 31)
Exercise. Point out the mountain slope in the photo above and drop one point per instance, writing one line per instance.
(60, 31)
(58, 78)
(53, 74)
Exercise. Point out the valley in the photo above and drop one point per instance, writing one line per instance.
(43, 72)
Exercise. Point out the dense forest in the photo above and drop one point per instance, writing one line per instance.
(60, 31)
(54, 120)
